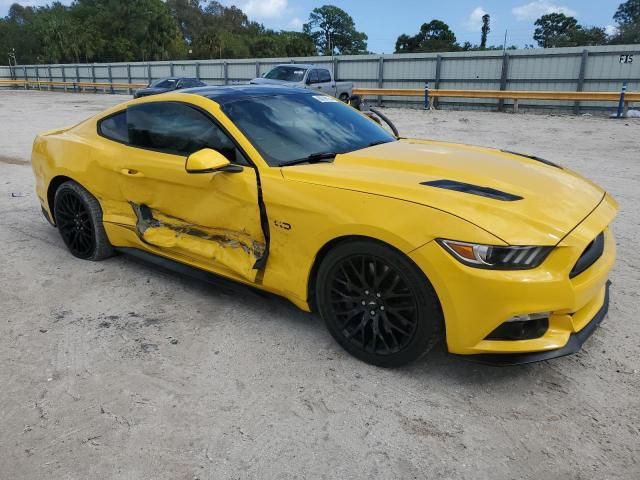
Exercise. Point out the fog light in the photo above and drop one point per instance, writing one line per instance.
(529, 316)
(522, 327)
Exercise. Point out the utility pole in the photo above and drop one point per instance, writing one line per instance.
(504, 45)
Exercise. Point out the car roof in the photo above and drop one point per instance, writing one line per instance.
(177, 78)
(229, 93)
(300, 65)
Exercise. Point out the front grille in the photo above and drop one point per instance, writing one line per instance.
(590, 256)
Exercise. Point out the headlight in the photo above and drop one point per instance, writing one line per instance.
(494, 257)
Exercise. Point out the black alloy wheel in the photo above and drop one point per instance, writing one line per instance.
(78, 217)
(374, 305)
(377, 304)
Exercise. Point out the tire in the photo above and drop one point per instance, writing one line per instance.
(344, 97)
(403, 308)
(78, 217)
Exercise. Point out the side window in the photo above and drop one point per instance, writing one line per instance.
(115, 127)
(178, 129)
(313, 76)
(324, 75)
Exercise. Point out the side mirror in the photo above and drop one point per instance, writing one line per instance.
(208, 160)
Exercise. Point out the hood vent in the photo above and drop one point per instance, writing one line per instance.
(473, 190)
(533, 157)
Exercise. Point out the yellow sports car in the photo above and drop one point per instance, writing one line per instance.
(396, 242)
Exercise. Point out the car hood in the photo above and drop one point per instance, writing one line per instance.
(553, 200)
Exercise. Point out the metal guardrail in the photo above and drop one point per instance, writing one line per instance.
(429, 95)
(516, 95)
(73, 86)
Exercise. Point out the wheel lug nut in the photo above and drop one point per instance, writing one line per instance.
(363, 302)
(373, 312)
(382, 307)
(366, 292)
(378, 295)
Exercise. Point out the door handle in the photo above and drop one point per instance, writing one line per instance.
(130, 172)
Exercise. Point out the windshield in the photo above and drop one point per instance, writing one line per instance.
(286, 74)
(164, 83)
(286, 128)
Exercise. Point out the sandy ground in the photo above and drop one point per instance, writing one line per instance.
(117, 370)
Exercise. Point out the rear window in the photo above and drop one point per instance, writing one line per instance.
(115, 127)
(164, 83)
(324, 75)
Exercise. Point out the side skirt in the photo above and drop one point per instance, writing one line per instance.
(173, 266)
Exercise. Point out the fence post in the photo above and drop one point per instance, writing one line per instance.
(171, 69)
(64, 77)
(38, 76)
(26, 78)
(257, 68)
(380, 77)
(335, 69)
(93, 76)
(438, 76)
(426, 95)
(503, 79)
(621, 104)
(77, 79)
(149, 72)
(225, 68)
(580, 88)
(198, 70)
(50, 77)
(129, 78)
(110, 77)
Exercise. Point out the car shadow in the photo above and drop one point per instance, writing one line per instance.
(438, 366)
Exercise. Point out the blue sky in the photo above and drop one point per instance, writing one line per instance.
(383, 21)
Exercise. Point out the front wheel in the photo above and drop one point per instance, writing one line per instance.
(78, 217)
(377, 304)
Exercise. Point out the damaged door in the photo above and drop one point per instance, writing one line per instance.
(211, 217)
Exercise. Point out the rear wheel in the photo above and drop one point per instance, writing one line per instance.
(78, 217)
(377, 304)
(344, 97)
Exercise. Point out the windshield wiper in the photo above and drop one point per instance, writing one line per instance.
(320, 157)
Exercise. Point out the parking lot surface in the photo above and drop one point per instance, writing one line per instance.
(119, 370)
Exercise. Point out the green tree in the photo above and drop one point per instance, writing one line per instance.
(558, 30)
(333, 31)
(435, 36)
(628, 19)
(584, 36)
(484, 31)
(554, 30)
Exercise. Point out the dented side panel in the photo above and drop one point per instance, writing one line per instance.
(231, 249)
(212, 217)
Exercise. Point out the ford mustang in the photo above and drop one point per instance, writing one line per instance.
(397, 243)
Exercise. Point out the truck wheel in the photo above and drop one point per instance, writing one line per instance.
(344, 97)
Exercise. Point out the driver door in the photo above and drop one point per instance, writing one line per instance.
(211, 218)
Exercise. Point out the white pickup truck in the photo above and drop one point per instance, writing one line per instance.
(307, 76)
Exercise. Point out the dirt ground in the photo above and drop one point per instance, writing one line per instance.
(117, 370)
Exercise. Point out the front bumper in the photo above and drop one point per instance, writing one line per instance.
(576, 340)
(476, 301)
